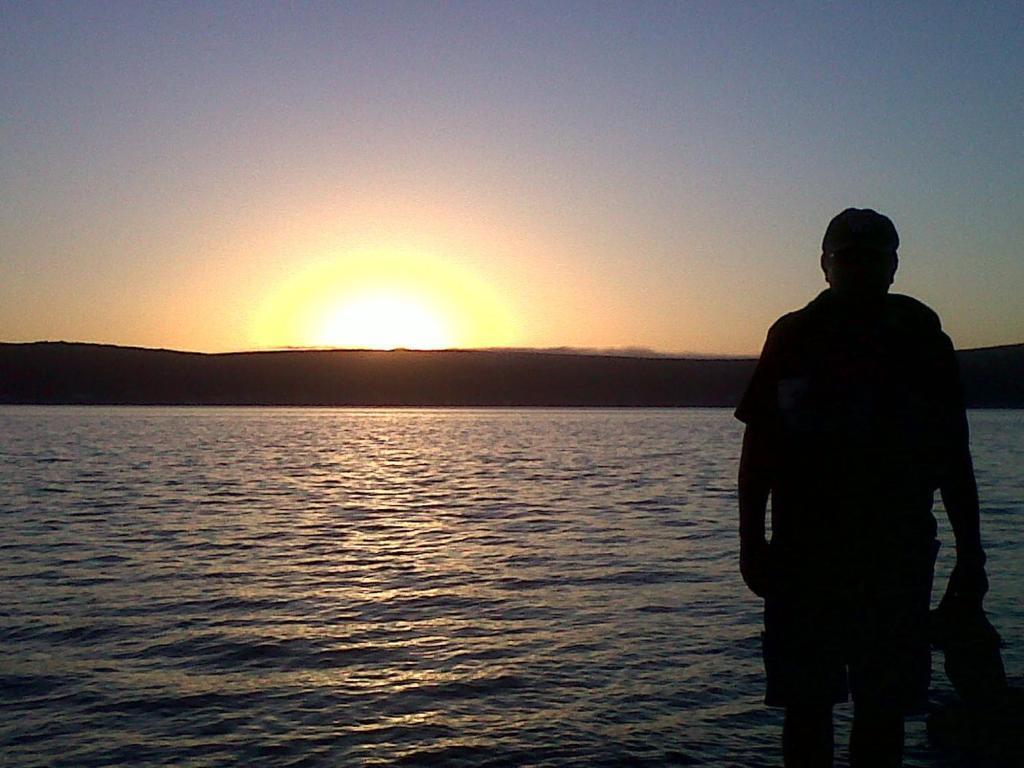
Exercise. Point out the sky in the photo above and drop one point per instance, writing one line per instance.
(637, 175)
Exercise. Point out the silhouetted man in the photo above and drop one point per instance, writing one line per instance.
(854, 418)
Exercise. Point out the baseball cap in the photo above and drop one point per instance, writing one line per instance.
(860, 228)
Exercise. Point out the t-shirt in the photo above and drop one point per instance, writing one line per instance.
(865, 414)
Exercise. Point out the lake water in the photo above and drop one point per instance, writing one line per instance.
(359, 587)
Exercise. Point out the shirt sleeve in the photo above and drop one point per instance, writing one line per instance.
(759, 404)
(951, 395)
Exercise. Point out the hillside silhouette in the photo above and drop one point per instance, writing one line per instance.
(96, 374)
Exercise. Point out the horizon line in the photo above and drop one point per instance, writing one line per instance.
(631, 352)
(637, 352)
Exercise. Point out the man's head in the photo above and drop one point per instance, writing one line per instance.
(858, 253)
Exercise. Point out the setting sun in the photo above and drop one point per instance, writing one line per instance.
(384, 321)
(382, 297)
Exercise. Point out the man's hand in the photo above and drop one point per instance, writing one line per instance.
(754, 566)
(968, 582)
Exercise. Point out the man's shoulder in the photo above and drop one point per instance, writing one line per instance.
(795, 322)
(901, 309)
(909, 311)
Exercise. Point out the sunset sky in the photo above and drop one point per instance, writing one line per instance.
(222, 176)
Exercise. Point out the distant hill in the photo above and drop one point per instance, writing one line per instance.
(59, 372)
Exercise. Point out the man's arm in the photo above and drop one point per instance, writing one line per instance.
(754, 487)
(960, 496)
(957, 485)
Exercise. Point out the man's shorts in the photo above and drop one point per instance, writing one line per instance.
(826, 638)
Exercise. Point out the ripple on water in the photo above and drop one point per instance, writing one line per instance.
(329, 587)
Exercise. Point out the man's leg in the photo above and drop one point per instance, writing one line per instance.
(807, 740)
(876, 740)
(891, 669)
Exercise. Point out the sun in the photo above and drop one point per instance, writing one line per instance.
(382, 297)
(384, 320)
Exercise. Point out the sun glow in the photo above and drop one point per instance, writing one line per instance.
(382, 298)
(384, 321)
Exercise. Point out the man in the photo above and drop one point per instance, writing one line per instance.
(854, 418)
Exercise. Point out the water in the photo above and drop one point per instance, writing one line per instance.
(362, 587)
